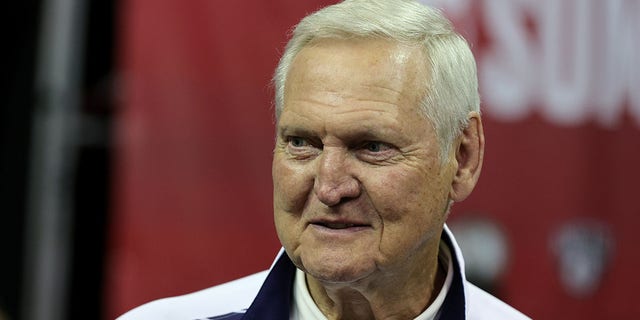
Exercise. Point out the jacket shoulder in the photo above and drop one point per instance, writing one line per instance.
(483, 306)
(231, 297)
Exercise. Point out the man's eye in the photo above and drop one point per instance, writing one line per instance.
(374, 146)
(300, 148)
(376, 151)
(298, 142)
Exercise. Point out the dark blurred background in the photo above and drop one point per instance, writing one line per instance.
(56, 123)
(136, 145)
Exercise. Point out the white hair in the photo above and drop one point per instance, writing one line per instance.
(452, 86)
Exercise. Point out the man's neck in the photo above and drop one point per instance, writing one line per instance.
(400, 296)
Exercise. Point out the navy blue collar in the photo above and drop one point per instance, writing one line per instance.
(275, 297)
(454, 303)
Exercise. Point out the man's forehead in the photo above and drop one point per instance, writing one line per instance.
(358, 67)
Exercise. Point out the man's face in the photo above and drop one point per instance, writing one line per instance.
(358, 187)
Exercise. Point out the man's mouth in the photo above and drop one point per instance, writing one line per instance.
(338, 225)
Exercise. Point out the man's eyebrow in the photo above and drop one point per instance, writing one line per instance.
(295, 130)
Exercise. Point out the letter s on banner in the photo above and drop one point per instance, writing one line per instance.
(508, 65)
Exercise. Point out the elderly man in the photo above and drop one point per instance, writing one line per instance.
(378, 133)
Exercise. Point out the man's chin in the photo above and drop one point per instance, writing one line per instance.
(339, 273)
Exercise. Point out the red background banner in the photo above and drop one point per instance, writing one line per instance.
(192, 204)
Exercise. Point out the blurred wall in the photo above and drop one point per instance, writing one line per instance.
(561, 96)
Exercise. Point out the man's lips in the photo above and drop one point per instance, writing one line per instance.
(337, 225)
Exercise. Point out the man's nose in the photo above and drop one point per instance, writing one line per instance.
(335, 181)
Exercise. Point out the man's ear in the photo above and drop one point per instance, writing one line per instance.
(468, 155)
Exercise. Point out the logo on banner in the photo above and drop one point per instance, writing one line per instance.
(583, 249)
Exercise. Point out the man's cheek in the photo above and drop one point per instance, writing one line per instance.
(291, 188)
